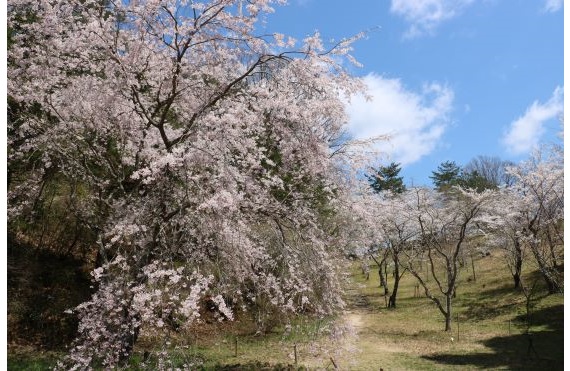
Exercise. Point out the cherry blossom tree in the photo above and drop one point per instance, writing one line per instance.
(388, 185)
(202, 156)
(505, 232)
(398, 231)
(446, 222)
(537, 212)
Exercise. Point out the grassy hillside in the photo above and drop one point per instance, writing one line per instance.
(489, 329)
(490, 332)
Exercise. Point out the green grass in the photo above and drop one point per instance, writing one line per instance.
(492, 329)
(30, 361)
(492, 332)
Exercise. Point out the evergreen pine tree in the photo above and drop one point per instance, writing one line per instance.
(386, 178)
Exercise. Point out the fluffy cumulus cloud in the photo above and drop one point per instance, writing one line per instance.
(415, 121)
(525, 132)
(552, 6)
(425, 15)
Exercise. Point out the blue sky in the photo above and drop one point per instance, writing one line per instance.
(451, 79)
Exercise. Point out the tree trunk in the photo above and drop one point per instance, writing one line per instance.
(517, 279)
(517, 273)
(551, 283)
(551, 246)
(383, 282)
(448, 312)
(383, 274)
(548, 274)
(386, 289)
(473, 267)
(438, 303)
(518, 264)
(392, 300)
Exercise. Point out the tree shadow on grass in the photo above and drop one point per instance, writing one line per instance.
(491, 303)
(254, 366)
(540, 350)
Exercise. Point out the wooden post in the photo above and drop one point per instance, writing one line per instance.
(235, 346)
(295, 351)
(334, 363)
(473, 267)
(509, 326)
(457, 326)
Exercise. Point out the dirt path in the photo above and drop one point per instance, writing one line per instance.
(353, 319)
(364, 342)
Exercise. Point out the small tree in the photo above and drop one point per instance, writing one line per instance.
(398, 230)
(387, 182)
(505, 231)
(445, 224)
(538, 201)
(382, 268)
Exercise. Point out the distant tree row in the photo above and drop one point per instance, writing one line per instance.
(489, 203)
(482, 172)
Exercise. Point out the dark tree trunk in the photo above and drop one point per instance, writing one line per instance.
(517, 279)
(551, 284)
(383, 274)
(448, 312)
(383, 282)
(392, 300)
(518, 264)
(552, 245)
(548, 274)
(386, 289)
(445, 311)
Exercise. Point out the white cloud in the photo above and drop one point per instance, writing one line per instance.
(415, 121)
(524, 133)
(551, 6)
(425, 15)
